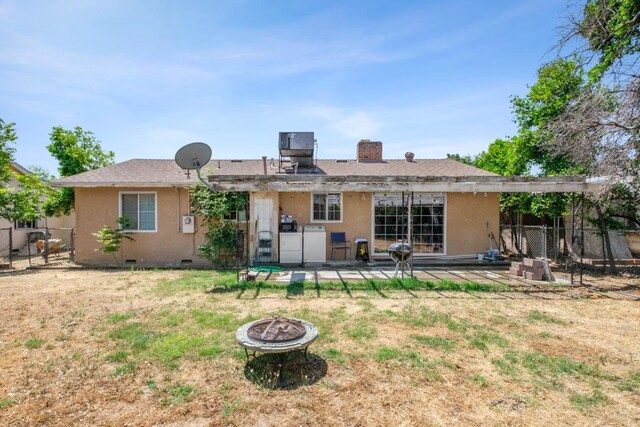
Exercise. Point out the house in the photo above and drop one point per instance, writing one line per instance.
(20, 230)
(454, 207)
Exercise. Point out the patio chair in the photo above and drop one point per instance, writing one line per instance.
(339, 242)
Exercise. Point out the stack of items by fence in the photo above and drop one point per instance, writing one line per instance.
(529, 268)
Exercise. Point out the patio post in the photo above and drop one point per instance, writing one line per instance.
(573, 233)
(10, 247)
(581, 234)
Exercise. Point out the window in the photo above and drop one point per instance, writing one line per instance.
(326, 207)
(24, 224)
(140, 208)
(427, 222)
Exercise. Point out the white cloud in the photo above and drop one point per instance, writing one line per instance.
(352, 124)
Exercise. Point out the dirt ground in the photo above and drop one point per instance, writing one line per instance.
(56, 356)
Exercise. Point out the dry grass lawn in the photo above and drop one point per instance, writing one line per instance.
(89, 347)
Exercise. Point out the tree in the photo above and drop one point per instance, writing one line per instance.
(7, 136)
(529, 152)
(111, 239)
(218, 210)
(25, 201)
(600, 129)
(77, 151)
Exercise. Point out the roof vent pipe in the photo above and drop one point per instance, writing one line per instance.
(408, 156)
(264, 164)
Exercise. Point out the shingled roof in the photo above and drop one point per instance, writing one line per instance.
(161, 173)
(430, 175)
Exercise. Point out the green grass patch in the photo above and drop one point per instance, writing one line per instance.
(5, 403)
(482, 339)
(480, 380)
(117, 357)
(198, 281)
(226, 281)
(631, 384)
(213, 320)
(428, 317)
(550, 367)
(180, 393)
(361, 331)
(210, 352)
(33, 343)
(135, 335)
(171, 319)
(508, 364)
(429, 367)
(584, 402)
(125, 369)
(171, 347)
(539, 316)
(436, 342)
(120, 317)
(387, 353)
(547, 371)
(335, 355)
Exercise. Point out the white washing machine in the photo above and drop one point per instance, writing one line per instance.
(314, 243)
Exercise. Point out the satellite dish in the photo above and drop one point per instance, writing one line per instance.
(193, 156)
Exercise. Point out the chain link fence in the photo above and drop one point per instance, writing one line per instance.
(565, 244)
(47, 243)
(20, 248)
(6, 254)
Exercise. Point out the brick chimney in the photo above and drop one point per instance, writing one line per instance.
(369, 151)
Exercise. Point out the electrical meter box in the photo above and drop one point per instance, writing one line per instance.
(188, 224)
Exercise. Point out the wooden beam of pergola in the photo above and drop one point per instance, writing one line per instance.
(429, 184)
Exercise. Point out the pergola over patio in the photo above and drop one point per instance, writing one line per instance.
(373, 183)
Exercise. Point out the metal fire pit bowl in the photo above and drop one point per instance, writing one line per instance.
(276, 335)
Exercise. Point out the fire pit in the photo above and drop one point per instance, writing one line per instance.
(276, 335)
(401, 254)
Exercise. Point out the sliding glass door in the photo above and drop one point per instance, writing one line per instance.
(391, 222)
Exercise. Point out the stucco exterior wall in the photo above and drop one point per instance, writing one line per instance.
(356, 216)
(168, 246)
(467, 215)
(470, 219)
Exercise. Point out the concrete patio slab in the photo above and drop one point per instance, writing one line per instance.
(342, 274)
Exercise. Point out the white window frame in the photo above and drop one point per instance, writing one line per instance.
(416, 255)
(17, 227)
(313, 220)
(155, 209)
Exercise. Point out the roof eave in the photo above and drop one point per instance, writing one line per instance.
(126, 184)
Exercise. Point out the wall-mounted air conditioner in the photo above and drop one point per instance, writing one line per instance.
(188, 224)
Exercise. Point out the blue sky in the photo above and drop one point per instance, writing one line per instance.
(431, 77)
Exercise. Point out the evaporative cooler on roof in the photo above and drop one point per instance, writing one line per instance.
(298, 147)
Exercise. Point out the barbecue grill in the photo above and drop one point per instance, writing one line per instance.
(401, 253)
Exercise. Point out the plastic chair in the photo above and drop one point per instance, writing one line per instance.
(339, 242)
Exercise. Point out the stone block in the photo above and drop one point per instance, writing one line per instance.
(515, 271)
(530, 262)
(532, 276)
